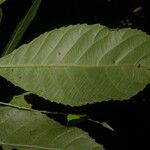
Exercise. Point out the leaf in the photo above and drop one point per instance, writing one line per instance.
(74, 116)
(1, 15)
(106, 125)
(20, 101)
(22, 27)
(31, 130)
(81, 64)
(2, 1)
(75, 119)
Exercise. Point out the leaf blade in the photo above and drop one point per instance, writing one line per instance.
(32, 130)
(81, 64)
(22, 27)
(2, 1)
(1, 14)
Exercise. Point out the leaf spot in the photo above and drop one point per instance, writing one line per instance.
(114, 61)
(139, 66)
(59, 53)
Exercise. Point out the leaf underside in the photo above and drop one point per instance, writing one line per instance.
(81, 64)
(31, 130)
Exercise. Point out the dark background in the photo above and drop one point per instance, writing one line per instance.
(129, 118)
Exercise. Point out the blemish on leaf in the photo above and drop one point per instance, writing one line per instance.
(139, 66)
(19, 77)
(114, 61)
(59, 53)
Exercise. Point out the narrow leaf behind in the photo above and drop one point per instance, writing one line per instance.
(22, 27)
(1, 15)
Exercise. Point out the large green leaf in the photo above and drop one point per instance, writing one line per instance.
(31, 130)
(81, 64)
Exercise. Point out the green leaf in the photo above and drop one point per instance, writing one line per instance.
(81, 64)
(2, 1)
(75, 119)
(22, 27)
(31, 130)
(20, 101)
(1, 15)
(74, 116)
(106, 125)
